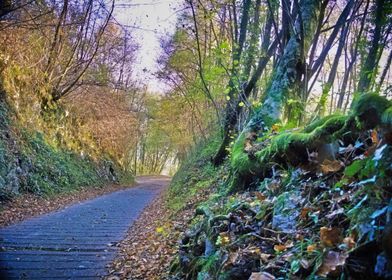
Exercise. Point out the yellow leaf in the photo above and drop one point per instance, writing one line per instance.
(280, 248)
(311, 248)
(275, 128)
(224, 238)
(160, 230)
(241, 104)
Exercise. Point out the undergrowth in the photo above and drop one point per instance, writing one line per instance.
(196, 174)
(29, 163)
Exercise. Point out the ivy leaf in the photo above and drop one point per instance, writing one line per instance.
(354, 168)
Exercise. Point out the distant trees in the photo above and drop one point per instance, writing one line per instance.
(66, 67)
(235, 68)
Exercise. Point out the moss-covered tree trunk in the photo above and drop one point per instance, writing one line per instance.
(284, 82)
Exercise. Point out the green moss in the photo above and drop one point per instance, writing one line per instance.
(364, 102)
(369, 108)
(330, 129)
(319, 122)
(194, 175)
(240, 160)
(290, 147)
(54, 170)
(29, 163)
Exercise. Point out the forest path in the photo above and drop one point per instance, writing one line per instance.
(76, 242)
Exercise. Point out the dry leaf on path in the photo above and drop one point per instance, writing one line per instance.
(329, 166)
(331, 237)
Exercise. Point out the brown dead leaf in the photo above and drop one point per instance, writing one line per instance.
(283, 247)
(349, 242)
(333, 263)
(304, 213)
(280, 248)
(374, 136)
(233, 257)
(331, 237)
(311, 248)
(260, 196)
(329, 166)
(261, 276)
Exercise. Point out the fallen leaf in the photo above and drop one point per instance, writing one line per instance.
(311, 248)
(265, 257)
(329, 166)
(349, 242)
(224, 238)
(332, 264)
(304, 213)
(261, 276)
(331, 237)
(232, 258)
(260, 196)
(283, 247)
(374, 136)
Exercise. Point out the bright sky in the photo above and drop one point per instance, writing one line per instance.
(152, 19)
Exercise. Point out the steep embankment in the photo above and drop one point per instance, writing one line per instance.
(29, 164)
(312, 204)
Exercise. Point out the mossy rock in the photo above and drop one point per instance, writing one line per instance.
(369, 109)
(292, 148)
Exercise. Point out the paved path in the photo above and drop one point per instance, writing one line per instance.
(76, 242)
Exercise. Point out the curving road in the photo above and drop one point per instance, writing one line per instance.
(76, 242)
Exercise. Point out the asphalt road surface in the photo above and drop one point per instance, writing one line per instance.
(77, 242)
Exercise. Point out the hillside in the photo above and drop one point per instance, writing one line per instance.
(29, 164)
(306, 217)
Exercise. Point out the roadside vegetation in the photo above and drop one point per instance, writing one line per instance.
(299, 184)
(277, 117)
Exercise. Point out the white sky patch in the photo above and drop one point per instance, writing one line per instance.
(151, 20)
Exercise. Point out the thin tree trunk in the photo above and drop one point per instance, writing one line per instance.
(368, 69)
(353, 59)
(332, 74)
(385, 71)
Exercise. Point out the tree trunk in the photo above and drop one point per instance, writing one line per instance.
(332, 74)
(369, 66)
(284, 81)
